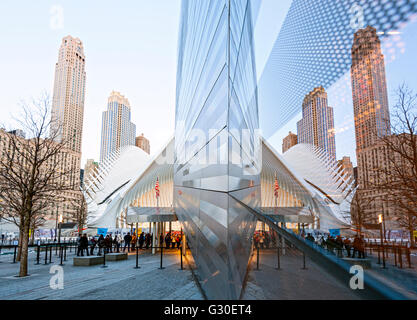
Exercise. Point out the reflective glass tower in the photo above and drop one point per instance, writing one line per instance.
(317, 125)
(217, 145)
(117, 129)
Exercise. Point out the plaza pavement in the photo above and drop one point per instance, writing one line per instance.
(120, 281)
(292, 282)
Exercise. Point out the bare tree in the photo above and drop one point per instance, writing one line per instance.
(32, 174)
(79, 213)
(398, 179)
(359, 205)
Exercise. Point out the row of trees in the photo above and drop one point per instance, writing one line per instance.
(33, 177)
(395, 182)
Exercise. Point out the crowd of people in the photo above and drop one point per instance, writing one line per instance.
(115, 244)
(341, 246)
(338, 245)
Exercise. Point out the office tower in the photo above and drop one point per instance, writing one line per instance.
(289, 141)
(372, 119)
(143, 143)
(346, 168)
(369, 88)
(69, 93)
(217, 95)
(90, 169)
(67, 115)
(117, 129)
(317, 125)
(68, 163)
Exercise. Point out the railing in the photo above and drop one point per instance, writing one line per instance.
(61, 250)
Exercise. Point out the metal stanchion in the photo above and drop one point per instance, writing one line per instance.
(46, 255)
(65, 252)
(104, 259)
(38, 254)
(162, 249)
(304, 261)
(137, 258)
(61, 253)
(279, 259)
(182, 268)
(14, 254)
(50, 254)
(395, 255)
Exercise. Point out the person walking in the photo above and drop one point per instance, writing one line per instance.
(168, 240)
(178, 241)
(134, 240)
(348, 246)
(93, 242)
(173, 241)
(147, 240)
(141, 240)
(116, 243)
(84, 245)
(128, 239)
(356, 247)
(100, 243)
(79, 246)
(106, 244)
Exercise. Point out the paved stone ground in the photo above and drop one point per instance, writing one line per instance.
(292, 282)
(403, 279)
(120, 281)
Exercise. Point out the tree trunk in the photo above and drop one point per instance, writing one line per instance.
(19, 248)
(24, 251)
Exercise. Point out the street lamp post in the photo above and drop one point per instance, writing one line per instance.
(60, 227)
(382, 225)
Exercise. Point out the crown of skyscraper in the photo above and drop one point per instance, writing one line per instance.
(116, 96)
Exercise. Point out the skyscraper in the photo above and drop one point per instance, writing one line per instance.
(90, 169)
(346, 168)
(317, 125)
(117, 129)
(143, 143)
(289, 141)
(372, 119)
(369, 89)
(68, 115)
(69, 93)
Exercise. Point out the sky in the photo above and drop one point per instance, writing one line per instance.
(131, 47)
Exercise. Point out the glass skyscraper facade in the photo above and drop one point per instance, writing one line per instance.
(317, 125)
(217, 145)
(117, 129)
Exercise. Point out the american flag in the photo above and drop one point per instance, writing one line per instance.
(157, 187)
(276, 187)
